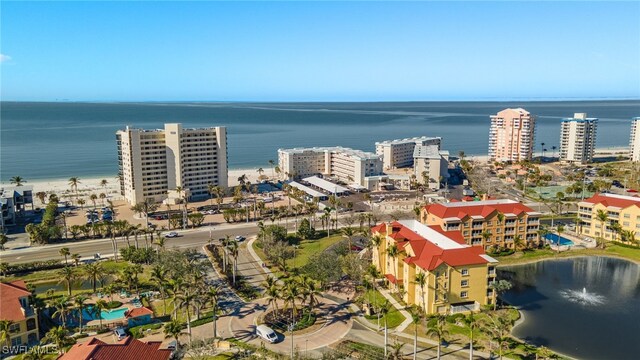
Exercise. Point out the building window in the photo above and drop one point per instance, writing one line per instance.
(464, 283)
(464, 294)
(465, 272)
(31, 324)
(14, 328)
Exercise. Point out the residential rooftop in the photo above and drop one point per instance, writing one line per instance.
(358, 154)
(407, 140)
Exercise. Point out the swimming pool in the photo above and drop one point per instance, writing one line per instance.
(553, 238)
(88, 314)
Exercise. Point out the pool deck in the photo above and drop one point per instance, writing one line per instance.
(577, 242)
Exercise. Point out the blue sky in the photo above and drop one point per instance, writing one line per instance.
(280, 51)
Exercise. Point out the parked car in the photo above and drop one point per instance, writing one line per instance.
(172, 234)
(240, 238)
(120, 333)
(266, 333)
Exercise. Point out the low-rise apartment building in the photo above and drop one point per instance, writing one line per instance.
(16, 308)
(578, 138)
(12, 201)
(620, 209)
(154, 162)
(430, 165)
(486, 223)
(348, 165)
(399, 153)
(634, 141)
(457, 276)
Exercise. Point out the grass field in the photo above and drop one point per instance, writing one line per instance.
(394, 317)
(628, 253)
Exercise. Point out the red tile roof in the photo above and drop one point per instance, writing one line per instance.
(479, 208)
(391, 278)
(10, 294)
(620, 201)
(127, 349)
(428, 255)
(135, 312)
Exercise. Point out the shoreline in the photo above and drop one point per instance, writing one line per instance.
(92, 183)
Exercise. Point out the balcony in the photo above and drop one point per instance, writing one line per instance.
(464, 307)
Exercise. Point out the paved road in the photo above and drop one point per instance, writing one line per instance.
(187, 240)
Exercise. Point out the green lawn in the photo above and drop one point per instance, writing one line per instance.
(632, 254)
(394, 317)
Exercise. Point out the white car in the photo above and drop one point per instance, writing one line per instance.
(120, 333)
(266, 333)
(172, 234)
(240, 238)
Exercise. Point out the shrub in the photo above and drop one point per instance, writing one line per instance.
(34, 266)
(113, 304)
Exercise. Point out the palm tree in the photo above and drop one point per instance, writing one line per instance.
(3, 240)
(543, 149)
(213, 294)
(17, 180)
(416, 319)
(384, 310)
(99, 306)
(499, 327)
(79, 303)
(42, 196)
(81, 202)
(554, 150)
(603, 217)
(103, 183)
(348, 232)
(437, 329)
(67, 275)
(73, 183)
(76, 259)
(93, 198)
(396, 351)
(5, 333)
(498, 288)
(93, 271)
(472, 324)
(61, 307)
(65, 252)
(102, 196)
(57, 335)
(393, 252)
(173, 329)
(272, 163)
(273, 295)
(233, 253)
(186, 300)
(421, 279)
(159, 277)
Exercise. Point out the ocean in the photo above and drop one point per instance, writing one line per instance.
(58, 140)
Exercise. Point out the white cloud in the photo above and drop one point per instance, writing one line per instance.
(4, 58)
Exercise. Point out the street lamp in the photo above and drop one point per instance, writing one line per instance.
(291, 326)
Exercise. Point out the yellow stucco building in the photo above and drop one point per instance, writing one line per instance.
(456, 276)
(621, 209)
(486, 223)
(16, 308)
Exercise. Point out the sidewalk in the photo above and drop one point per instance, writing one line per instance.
(400, 308)
(256, 258)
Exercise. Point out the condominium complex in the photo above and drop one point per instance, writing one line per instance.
(486, 223)
(430, 165)
(155, 162)
(634, 142)
(16, 307)
(578, 138)
(346, 164)
(620, 209)
(12, 201)
(399, 153)
(511, 136)
(457, 275)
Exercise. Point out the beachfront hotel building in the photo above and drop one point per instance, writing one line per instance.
(13, 200)
(511, 136)
(578, 139)
(153, 163)
(621, 209)
(634, 142)
(457, 275)
(399, 153)
(486, 223)
(348, 165)
(430, 165)
(16, 307)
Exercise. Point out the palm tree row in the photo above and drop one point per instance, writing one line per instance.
(300, 289)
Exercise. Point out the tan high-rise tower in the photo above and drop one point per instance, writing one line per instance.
(511, 135)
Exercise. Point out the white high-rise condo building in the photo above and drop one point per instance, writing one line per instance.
(399, 153)
(634, 143)
(578, 138)
(346, 164)
(154, 163)
(512, 135)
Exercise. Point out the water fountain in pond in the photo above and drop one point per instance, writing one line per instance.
(582, 297)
